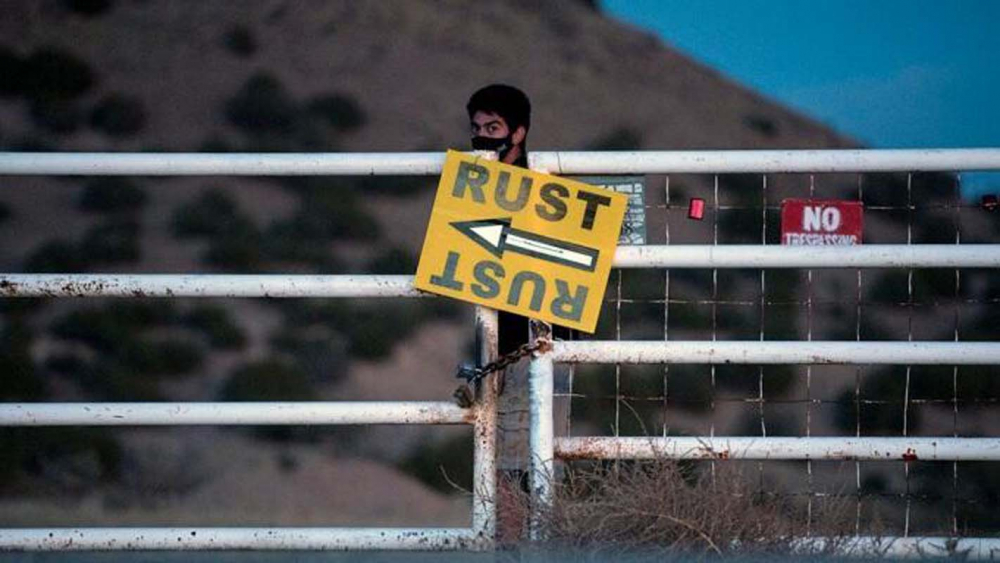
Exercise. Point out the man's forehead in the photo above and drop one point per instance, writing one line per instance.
(484, 117)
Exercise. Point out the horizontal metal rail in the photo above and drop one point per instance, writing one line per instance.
(912, 547)
(229, 414)
(817, 257)
(556, 162)
(752, 448)
(776, 352)
(136, 539)
(675, 256)
(210, 285)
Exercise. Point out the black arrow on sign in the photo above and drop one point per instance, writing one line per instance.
(497, 236)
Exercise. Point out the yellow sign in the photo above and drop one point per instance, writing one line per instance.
(520, 241)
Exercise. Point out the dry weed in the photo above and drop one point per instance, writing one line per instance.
(665, 507)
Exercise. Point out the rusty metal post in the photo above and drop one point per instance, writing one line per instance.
(541, 439)
(484, 493)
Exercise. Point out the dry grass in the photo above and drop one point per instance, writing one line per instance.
(665, 507)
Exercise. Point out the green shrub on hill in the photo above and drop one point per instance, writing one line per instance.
(21, 380)
(56, 257)
(239, 40)
(217, 325)
(213, 213)
(55, 74)
(340, 111)
(114, 242)
(112, 194)
(118, 115)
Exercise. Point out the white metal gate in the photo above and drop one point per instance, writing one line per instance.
(546, 447)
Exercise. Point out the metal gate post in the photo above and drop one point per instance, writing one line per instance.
(484, 486)
(541, 441)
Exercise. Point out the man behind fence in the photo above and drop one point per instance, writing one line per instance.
(499, 118)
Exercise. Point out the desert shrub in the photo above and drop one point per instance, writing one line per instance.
(340, 111)
(214, 212)
(239, 40)
(216, 324)
(69, 458)
(761, 124)
(620, 138)
(55, 115)
(268, 380)
(21, 380)
(321, 354)
(111, 194)
(663, 507)
(284, 244)
(108, 380)
(107, 328)
(55, 257)
(11, 70)
(53, 74)
(145, 357)
(393, 261)
(118, 115)
(262, 107)
(114, 242)
(237, 251)
(88, 8)
(444, 465)
(331, 215)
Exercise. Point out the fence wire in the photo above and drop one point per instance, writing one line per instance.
(900, 497)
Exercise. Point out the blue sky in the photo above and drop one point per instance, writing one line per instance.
(890, 73)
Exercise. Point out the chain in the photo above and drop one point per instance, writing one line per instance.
(473, 375)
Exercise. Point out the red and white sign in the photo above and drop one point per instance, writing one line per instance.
(815, 222)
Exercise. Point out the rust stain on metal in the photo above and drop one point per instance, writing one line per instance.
(910, 455)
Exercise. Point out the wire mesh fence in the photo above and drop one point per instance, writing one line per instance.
(906, 497)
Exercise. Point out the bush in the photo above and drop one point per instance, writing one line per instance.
(663, 507)
(55, 116)
(71, 458)
(761, 124)
(262, 107)
(112, 243)
(268, 380)
(56, 257)
(621, 138)
(112, 194)
(237, 252)
(322, 355)
(5, 212)
(118, 115)
(239, 40)
(52, 74)
(393, 261)
(11, 70)
(443, 466)
(340, 111)
(167, 357)
(88, 8)
(107, 329)
(214, 212)
(215, 322)
(20, 381)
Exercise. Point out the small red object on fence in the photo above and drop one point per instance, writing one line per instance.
(696, 209)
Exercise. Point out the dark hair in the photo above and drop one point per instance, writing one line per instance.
(506, 101)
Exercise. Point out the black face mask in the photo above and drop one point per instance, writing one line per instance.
(501, 145)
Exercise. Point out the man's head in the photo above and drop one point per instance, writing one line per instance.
(500, 116)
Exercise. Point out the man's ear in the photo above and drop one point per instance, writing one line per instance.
(519, 134)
